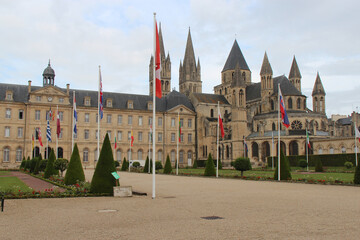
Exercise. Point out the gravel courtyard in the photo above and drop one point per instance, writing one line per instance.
(247, 210)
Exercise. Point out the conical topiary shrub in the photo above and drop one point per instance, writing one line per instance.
(103, 181)
(357, 175)
(75, 170)
(195, 165)
(284, 168)
(167, 168)
(33, 164)
(37, 166)
(22, 165)
(318, 166)
(50, 165)
(146, 167)
(27, 164)
(210, 167)
(124, 165)
(220, 164)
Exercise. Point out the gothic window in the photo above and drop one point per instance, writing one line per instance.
(305, 104)
(227, 152)
(241, 97)
(316, 104)
(293, 148)
(321, 104)
(296, 125)
(273, 127)
(272, 104)
(255, 149)
(243, 75)
(298, 103)
(212, 113)
(290, 103)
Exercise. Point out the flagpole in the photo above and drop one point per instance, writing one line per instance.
(177, 145)
(72, 135)
(154, 107)
(57, 109)
(307, 151)
(217, 144)
(356, 158)
(279, 132)
(130, 148)
(98, 118)
(39, 134)
(149, 149)
(272, 150)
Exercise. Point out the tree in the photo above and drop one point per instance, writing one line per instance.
(75, 170)
(37, 166)
(195, 165)
(302, 163)
(43, 164)
(27, 164)
(210, 167)
(242, 164)
(357, 175)
(284, 168)
(50, 165)
(103, 181)
(146, 167)
(167, 168)
(158, 165)
(318, 166)
(124, 165)
(61, 164)
(23, 162)
(33, 164)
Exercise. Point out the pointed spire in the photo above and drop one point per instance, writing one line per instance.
(235, 56)
(266, 67)
(198, 63)
(294, 70)
(318, 86)
(49, 63)
(161, 42)
(189, 51)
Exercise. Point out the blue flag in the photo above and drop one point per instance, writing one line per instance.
(48, 131)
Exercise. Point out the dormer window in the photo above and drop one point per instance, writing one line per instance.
(150, 106)
(9, 95)
(87, 101)
(130, 105)
(38, 98)
(61, 100)
(109, 103)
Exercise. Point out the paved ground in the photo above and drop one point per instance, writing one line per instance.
(250, 210)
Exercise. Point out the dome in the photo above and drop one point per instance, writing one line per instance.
(49, 71)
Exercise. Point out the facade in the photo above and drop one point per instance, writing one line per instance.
(249, 111)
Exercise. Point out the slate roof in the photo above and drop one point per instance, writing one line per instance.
(119, 100)
(253, 91)
(48, 70)
(235, 57)
(210, 98)
(344, 121)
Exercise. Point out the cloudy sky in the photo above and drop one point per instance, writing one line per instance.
(78, 36)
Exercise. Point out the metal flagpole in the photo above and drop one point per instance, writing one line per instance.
(150, 137)
(131, 133)
(217, 143)
(279, 131)
(272, 150)
(72, 134)
(177, 146)
(57, 116)
(98, 118)
(356, 158)
(154, 107)
(307, 151)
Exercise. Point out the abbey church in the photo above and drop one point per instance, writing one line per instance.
(249, 110)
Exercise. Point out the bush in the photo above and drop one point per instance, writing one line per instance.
(75, 170)
(242, 164)
(61, 164)
(103, 181)
(357, 175)
(284, 168)
(42, 165)
(195, 165)
(117, 164)
(124, 165)
(302, 163)
(33, 164)
(220, 164)
(146, 167)
(167, 168)
(22, 165)
(348, 165)
(49, 171)
(158, 165)
(37, 166)
(136, 164)
(210, 168)
(318, 166)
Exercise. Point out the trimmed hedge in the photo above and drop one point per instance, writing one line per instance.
(357, 175)
(167, 168)
(75, 170)
(210, 167)
(285, 173)
(328, 160)
(49, 170)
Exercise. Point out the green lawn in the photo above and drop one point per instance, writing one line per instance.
(13, 184)
(2, 173)
(332, 176)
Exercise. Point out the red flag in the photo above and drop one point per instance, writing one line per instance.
(58, 129)
(357, 133)
(221, 124)
(39, 136)
(115, 146)
(284, 117)
(132, 138)
(157, 64)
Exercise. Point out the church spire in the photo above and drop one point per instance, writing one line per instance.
(235, 57)
(266, 67)
(161, 42)
(294, 75)
(318, 96)
(318, 87)
(189, 51)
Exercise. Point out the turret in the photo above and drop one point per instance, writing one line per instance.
(318, 96)
(267, 83)
(294, 75)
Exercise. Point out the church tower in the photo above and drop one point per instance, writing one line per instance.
(189, 71)
(48, 76)
(318, 96)
(165, 73)
(294, 75)
(267, 82)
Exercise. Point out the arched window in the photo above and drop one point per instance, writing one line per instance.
(118, 155)
(159, 155)
(305, 104)
(227, 152)
(289, 103)
(320, 151)
(211, 112)
(343, 149)
(85, 155)
(220, 91)
(298, 103)
(293, 148)
(181, 156)
(272, 104)
(241, 94)
(60, 152)
(273, 126)
(331, 151)
(140, 155)
(189, 157)
(36, 151)
(129, 155)
(6, 154)
(243, 75)
(316, 104)
(321, 105)
(96, 155)
(19, 154)
(255, 149)
(172, 156)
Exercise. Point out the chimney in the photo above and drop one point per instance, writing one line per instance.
(29, 87)
(68, 89)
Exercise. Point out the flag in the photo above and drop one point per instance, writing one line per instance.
(308, 139)
(132, 138)
(32, 141)
(357, 133)
(48, 131)
(179, 130)
(101, 106)
(221, 124)
(284, 117)
(58, 129)
(51, 115)
(115, 145)
(39, 136)
(75, 115)
(157, 64)
(150, 133)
